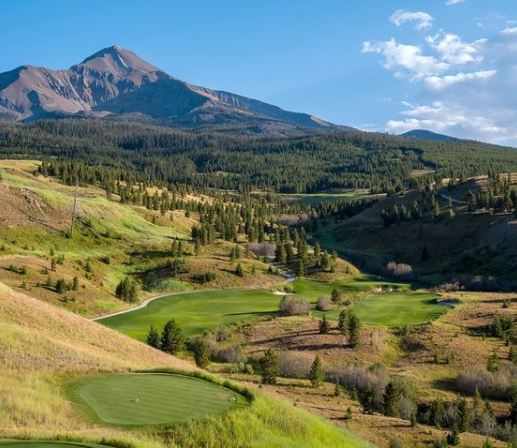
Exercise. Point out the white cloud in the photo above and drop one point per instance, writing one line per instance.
(509, 31)
(453, 2)
(422, 20)
(405, 60)
(451, 118)
(453, 50)
(468, 89)
(441, 82)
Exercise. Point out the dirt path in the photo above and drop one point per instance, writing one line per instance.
(289, 278)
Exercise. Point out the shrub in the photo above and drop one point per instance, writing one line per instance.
(323, 304)
(395, 442)
(291, 306)
(493, 385)
(229, 354)
(295, 364)
(401, 270)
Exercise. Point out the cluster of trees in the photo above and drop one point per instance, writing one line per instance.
(428, 204)
(499, 195)
(127, 290)
(170, 339)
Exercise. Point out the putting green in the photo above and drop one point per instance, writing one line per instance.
(152, 398)
(47, 444)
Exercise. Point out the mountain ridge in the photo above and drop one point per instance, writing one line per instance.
(117, 82)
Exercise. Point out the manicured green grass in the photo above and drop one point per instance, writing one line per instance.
(152, 398)
(46, 444)
(380, 307)
(196, 311)
(395, 309)
(312, 289)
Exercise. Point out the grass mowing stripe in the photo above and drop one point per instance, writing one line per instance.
(155, 398)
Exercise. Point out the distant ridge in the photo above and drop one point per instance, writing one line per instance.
(422, 134)
(115, 82)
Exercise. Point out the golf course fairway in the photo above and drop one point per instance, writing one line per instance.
(152, 398)
(197, 311)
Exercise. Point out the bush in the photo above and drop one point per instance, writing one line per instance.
(492, 385)
(323, 304)
(291, 306)
(401, 270)
(230, 354)
(295, 364)
(395, 442)
(369, 383)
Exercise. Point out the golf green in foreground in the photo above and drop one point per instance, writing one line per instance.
(152, 398)
(47, 444)
(200, 310)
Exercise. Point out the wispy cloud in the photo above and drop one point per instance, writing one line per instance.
(421, 20)
(405, 60)
(453, 2)
(441, 82)
(468, 89)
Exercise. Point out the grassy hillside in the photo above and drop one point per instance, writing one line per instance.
(460, 243)
(111, 240)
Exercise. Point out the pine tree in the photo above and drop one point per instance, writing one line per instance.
(75, 283)
(201, 351)
(239, 270)
(317, 251)
(343, 322)
(353, 330)
(324, 325)
(317, 374)
(172, 337)
(153, 337)
(300, 268)
(270, 367)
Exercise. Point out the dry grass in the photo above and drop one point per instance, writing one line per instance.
(41, 347)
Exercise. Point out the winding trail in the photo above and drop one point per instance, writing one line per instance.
(289, 278)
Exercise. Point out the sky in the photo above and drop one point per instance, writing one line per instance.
(449, 66)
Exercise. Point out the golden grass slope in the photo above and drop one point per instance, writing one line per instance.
(41, 348)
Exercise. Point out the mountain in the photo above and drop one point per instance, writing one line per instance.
(422, 134)
(115, 82)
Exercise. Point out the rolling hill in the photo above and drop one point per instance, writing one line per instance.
(115, 82)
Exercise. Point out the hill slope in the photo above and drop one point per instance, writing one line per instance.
(117, 81)
(42, 348)
(422, 134)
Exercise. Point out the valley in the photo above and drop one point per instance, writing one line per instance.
(234, 298)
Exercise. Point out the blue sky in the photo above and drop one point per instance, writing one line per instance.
(446, 65)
